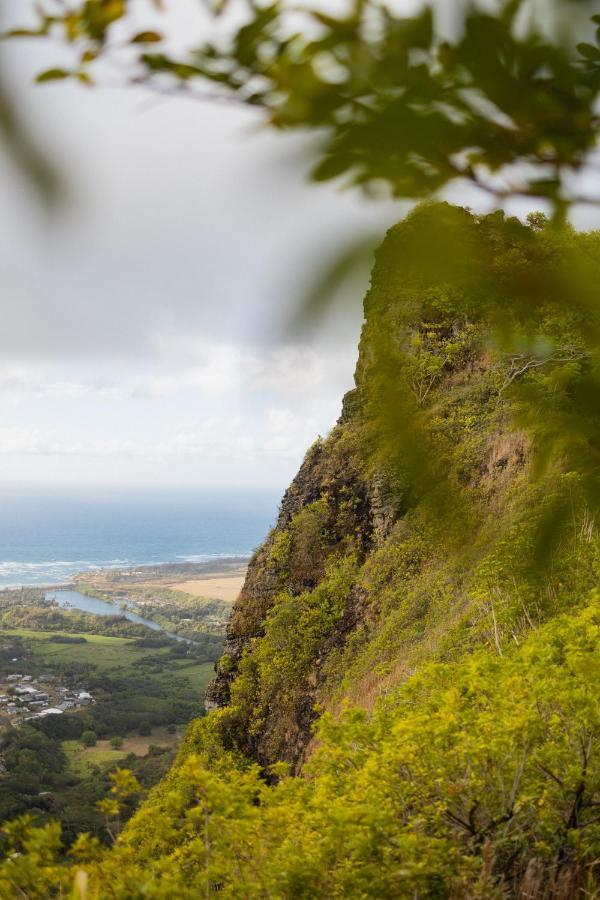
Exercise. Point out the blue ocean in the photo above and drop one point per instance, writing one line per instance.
(47, 535)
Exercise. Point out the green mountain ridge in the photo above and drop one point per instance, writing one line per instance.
(407, 702)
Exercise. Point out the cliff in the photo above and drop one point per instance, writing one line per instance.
(392, 542)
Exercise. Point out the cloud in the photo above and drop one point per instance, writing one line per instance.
(278, 433)
(214, 367)
(18, 441)
(184, 366)
(144, 332)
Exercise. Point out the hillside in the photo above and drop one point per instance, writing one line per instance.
(407, 702)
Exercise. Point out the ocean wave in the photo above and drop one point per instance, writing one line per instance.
(208, 557)
(17, 573)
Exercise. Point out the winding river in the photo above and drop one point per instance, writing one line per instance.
(74, 600)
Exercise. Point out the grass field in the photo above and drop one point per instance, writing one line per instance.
(111, 654)
(83, 759)
(105, 652)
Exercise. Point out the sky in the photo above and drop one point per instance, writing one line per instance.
(147, 334)
(146, 327)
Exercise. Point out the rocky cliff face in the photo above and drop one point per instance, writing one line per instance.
(368, 570)
(357, 511)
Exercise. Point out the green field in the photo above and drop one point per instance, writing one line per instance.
(110, 655)
(83, 759)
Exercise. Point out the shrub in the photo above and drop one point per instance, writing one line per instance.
(89, 738)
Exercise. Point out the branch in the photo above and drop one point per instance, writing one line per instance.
(516, 371)
(550, 774)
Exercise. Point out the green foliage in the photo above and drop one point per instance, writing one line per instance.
(276, 672)
(471, 776)
(454, 295)
(307, 543)
(89, 738)
(124, 786)
(396, 99)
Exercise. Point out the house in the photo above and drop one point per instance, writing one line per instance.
(51, 711)
(25, 690)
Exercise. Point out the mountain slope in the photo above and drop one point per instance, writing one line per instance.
(417, 522)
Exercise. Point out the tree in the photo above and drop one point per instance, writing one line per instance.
(116, 743)
(88, 738)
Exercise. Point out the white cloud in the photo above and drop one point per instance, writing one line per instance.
(281, 432)
(217, 369)
(208, 367)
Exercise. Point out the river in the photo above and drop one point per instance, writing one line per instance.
(75, 600)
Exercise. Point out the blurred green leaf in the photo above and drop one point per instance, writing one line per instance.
(52, 75)
(589, 51)
(147, 37)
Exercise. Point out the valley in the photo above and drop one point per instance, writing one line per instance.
(89, 684)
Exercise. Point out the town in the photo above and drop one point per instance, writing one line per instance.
(24, 698)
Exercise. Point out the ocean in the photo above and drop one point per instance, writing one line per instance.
(46, 535)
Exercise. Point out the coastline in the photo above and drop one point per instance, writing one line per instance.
(175, 575)
(218, 579)
(186, 600)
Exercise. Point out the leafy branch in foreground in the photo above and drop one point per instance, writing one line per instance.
(504, 104)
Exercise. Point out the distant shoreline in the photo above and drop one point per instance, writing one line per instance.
(228, 566)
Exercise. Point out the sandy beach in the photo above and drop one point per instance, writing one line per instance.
(215, 587)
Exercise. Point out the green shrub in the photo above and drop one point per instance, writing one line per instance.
(88, 738)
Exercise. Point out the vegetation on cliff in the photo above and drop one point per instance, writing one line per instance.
(409, 687)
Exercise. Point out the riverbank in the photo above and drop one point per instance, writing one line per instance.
(187, 599)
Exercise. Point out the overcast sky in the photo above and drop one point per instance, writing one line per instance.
(143, 330)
